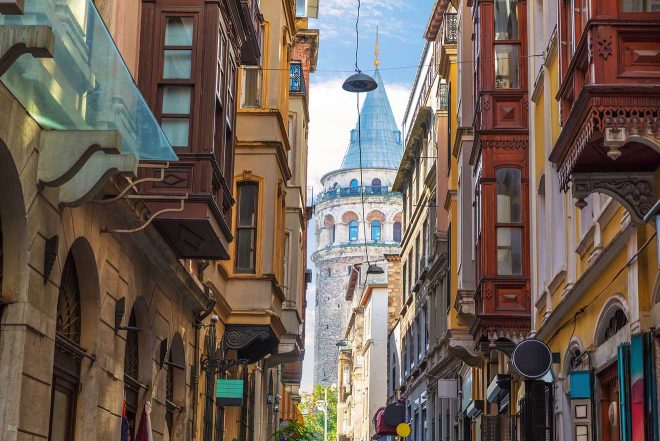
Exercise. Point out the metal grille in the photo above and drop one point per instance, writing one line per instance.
(169, 396)
(68, 303)
(131, 352)
(451, 29)
(443, 97)
(296, 78)
(537, 412)
(496, 428)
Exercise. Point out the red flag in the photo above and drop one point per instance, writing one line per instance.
(144, 429)
(125, 431)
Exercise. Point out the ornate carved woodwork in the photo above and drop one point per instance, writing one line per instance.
(635, 191)
(205, 170)
(610, 101)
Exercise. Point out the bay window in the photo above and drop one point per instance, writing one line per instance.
(509, 227)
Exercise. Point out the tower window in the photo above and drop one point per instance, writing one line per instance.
(353, 231)
(375, 230)
(397, 232)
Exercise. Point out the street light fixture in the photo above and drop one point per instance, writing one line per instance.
(359, 82)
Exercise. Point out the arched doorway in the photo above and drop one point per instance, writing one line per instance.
(68, 355)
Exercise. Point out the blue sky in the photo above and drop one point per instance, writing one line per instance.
(333, 114)
(401, 26)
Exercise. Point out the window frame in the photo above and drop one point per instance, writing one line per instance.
(520, 225)
(190, 82)
(516, 42)
(254, 228)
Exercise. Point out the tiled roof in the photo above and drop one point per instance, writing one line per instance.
(380, 138)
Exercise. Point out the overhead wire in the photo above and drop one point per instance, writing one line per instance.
(416, 66)
(573, 319)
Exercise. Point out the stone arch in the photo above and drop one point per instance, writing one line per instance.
(613, 308)
(569, 356)
(376, 215)
(141, 366)
(349, 216)
(77, 316)
(328, 220)
(397, 217)
(13, 231)
(90, 292)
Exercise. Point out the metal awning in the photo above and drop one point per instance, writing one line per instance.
(85, 85)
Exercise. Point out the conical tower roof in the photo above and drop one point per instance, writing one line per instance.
(380, 138)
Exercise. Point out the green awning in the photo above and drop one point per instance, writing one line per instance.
(86, 85)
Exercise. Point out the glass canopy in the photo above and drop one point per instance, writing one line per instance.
(86, 85)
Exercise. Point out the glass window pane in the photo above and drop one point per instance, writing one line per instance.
(177, 64)
(251, 87)
(353, 231)
(506, 19)
(506, 66)
(375, 230)
(245, 249)
(641, 5)
(176, 100)
(179, 31)
(176, 130)
(509, 251)
(60, 416)
(247, 204)
(509, 206)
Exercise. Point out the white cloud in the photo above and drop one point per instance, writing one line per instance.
(333, 114)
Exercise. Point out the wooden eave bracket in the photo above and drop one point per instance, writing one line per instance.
(38, 41)
(80, 162)
(635, 191)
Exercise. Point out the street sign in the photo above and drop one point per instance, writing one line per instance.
(229, 392)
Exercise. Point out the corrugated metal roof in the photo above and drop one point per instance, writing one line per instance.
(380, 138)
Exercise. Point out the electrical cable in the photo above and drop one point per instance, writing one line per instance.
(573, 319)
(417, 66)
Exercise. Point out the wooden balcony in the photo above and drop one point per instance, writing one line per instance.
(610, 101)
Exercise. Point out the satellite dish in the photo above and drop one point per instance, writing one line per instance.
(532, 359)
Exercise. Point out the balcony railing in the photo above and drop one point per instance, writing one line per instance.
(338, 192)
(450, 29)
(296, 78)
(443, 97)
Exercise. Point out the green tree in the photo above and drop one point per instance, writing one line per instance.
(311, 407)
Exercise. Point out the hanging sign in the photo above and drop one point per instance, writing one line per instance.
(229, 392)
(532, 359)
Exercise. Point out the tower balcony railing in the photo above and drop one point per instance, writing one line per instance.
(369, 190)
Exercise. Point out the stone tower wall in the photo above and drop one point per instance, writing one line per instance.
(332, 261)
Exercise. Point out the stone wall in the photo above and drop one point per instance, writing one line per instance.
(138, 267)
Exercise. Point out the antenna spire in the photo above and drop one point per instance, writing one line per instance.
(377, 51)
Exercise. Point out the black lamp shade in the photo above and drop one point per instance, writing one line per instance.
(359, 82)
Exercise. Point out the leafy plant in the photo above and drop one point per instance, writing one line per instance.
(293, 431)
